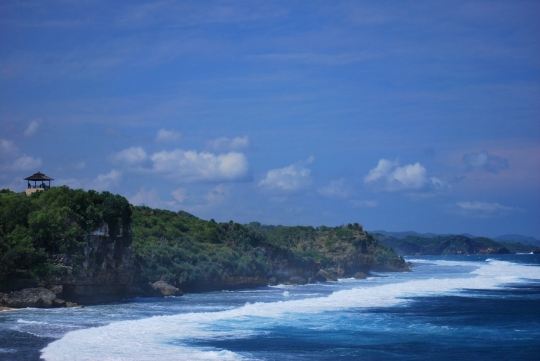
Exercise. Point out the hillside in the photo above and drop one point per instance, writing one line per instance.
(516, 238)
(95, 247)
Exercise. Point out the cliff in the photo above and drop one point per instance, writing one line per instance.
(89, 247)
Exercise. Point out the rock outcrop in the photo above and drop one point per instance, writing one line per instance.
(28, 297)
(105, 275)
(162, 288)
(325, 275)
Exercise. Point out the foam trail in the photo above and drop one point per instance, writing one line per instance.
(165, 337)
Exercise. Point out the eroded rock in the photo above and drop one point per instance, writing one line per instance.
(166, 289)
(325, 275)
(28, 297)
(360, 275)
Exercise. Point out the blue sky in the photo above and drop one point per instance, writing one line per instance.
(400, 116)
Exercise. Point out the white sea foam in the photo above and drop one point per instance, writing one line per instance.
(166, 337)
(32, 322)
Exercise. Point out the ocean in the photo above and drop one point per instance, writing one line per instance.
(447, 308)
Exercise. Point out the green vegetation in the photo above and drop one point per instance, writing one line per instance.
(450, 244)
(177, 247)
(187, 251)
(34, 228)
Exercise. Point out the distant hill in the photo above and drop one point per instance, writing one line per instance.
(402, 235)
(518, 238)
(449, 244)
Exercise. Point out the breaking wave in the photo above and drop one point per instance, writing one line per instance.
(168, 337)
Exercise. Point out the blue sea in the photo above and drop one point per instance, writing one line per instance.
(447, 308)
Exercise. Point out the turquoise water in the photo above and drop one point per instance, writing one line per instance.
(448, 308)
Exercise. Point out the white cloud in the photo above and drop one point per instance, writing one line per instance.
(484, 161)
(14, 160)
(389, 176)
(130, 156)
(164, 135)
(26, 163)
(180, 194)
(289, 179)
(381, 170)
(80, 165)
(225, 143)
(32, 128)
(337, 188)
(70, 182)
(8, 147)
(106, 181)
(485, 209)
(190, 166)
(217, 195)
(151, 199)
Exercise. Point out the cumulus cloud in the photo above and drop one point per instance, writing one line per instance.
(485, 161)
(152, 199)
(164, 135)
(32, 128)
(485, 209)
(288, 179)
(225, 143)
(191, 166)
(26, 163)
(8, 147)
(185, 166)
(337, 188)
(389, 176)
(14, 160)
(180, 194)
(106, 181)
(217, 195)
(130, 156)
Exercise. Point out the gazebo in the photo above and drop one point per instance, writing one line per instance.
(36, 177)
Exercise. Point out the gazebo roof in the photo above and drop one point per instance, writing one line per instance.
(38, 176)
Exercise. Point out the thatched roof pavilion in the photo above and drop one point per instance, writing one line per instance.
(36, 177)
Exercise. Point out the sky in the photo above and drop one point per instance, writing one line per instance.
(417, 115)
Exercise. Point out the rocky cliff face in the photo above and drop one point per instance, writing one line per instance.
(105, 274)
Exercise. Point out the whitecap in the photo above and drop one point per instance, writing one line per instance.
(168, 337)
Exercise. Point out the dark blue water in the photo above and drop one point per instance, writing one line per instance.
(448, 308)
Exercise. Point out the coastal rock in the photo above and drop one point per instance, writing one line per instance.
(73, 304)
(272, 281)
(56, 289)
(28, 297)
(325, 275)
(360, 275)
(166, 289)
(297, 280)
(59, 303)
